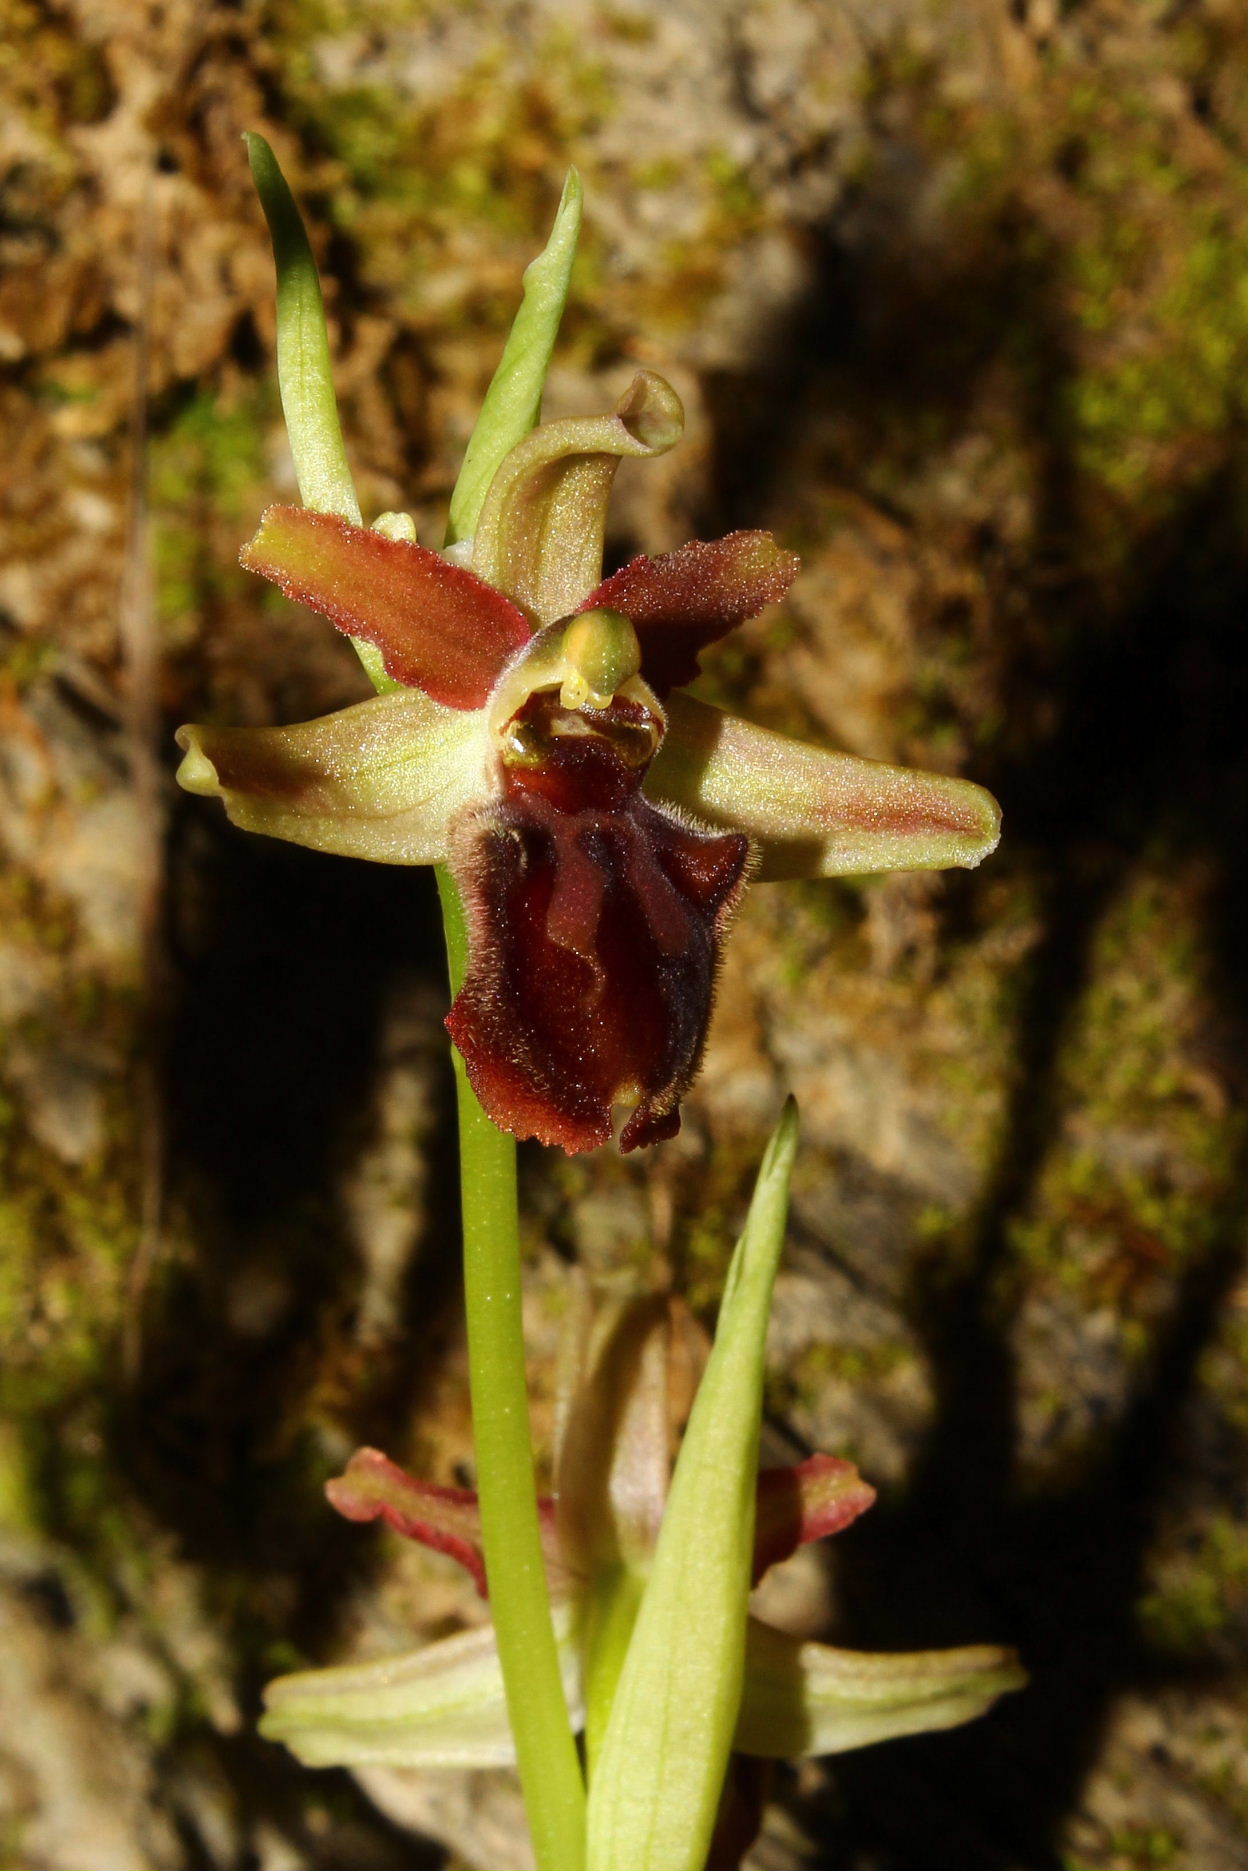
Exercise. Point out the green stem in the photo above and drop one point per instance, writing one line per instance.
(550, 1772)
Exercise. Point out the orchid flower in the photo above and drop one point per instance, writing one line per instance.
(443, 1706)
(600, 826)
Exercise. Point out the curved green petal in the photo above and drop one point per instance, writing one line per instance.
(443, 1706)
(814, 813)
(382, 780)
(803, 1698)
(539, 537)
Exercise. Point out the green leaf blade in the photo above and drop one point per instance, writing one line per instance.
(513, 401)
(654, 1795)
(304, 374)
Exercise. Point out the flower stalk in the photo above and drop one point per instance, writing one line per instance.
(546, 1756)
(550, 1772)
(648, 1569)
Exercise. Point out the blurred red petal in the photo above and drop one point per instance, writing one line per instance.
(818, 1497)
(446, 1519)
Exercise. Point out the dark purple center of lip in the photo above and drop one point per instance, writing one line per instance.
(579, 759)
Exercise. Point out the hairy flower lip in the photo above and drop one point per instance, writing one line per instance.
(596, 936)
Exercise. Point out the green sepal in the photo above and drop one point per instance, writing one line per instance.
(805, 1698)
(813, 812)
(383, 780)
(443, 1706)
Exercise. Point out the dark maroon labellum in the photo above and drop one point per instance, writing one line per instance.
(596, 923)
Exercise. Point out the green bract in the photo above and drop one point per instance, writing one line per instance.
(653, 1798)
(513, 402)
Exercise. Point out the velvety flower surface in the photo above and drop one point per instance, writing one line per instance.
(444, 1705)
(600, 827)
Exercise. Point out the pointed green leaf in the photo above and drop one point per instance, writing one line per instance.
(803, 1698)
(654, 1796)
(513, 401)
(304, 373)
(816, 813)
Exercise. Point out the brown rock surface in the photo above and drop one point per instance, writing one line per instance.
(955, 298)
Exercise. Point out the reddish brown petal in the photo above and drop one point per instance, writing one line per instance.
(818, 1497)
(439, 628)
(596, 922)
(685, 599)
(446, 1519)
